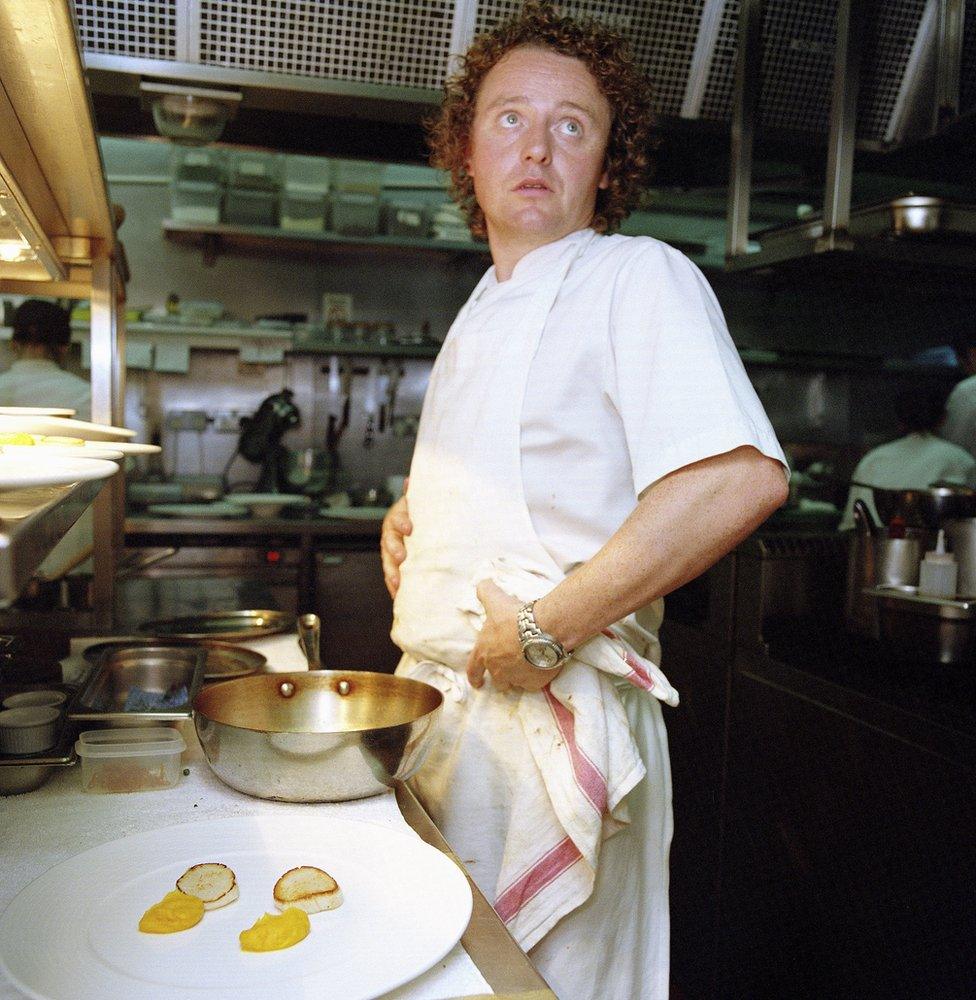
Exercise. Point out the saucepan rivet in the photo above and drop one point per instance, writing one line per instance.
(344, 687)
(286, 689)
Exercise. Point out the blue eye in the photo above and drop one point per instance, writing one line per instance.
(572, 127)
(509, 119)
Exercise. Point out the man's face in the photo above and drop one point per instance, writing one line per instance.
(538, 144)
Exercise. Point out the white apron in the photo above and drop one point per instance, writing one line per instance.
(468, 510)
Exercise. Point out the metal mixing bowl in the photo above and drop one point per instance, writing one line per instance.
(924, 508)
(316, 736)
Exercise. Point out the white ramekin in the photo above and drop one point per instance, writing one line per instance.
(28, 730)
(35, 699)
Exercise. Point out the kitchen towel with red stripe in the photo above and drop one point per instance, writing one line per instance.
(586, 761)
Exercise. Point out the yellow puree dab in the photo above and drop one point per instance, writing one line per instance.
(176, 911)
(274, 931)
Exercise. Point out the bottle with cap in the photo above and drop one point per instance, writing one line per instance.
(937, 573)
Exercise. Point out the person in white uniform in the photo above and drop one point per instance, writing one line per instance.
(960, 419)
(41, 335)
(914, 461)
(589, 442)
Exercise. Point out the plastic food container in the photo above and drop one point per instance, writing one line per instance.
(130, 760)
(35, 699)
(355, 214)
(196, 201)
(28, 730)
(246, 207)
(303, 212)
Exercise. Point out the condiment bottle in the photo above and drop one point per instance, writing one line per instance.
(937, 573)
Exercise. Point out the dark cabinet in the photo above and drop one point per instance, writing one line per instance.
(355, 609)
(849, 867)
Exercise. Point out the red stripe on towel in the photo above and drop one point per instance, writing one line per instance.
(592, 784)
(638, 674)
(549, 867)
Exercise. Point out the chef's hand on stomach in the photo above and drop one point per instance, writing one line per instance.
(396, 525)
(497, 650)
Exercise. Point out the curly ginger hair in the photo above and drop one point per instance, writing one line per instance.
(608, 58)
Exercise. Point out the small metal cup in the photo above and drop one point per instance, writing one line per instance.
(897, 561)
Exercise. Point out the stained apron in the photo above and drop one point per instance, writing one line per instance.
(467, 506)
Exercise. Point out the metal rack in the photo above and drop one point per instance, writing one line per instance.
(25, 541)
(53, 193)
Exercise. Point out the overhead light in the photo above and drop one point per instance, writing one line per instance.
(190, 115)
(24, 251)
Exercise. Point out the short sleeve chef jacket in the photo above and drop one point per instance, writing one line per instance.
(636, 376)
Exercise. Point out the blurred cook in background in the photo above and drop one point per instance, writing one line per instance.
(960, 422)
(916, 460)
(41, 336)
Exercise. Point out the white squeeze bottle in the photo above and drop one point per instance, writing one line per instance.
(937, 573)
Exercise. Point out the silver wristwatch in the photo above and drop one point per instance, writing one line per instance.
(539, 648)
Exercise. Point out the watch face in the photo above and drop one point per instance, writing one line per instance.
(541, 654)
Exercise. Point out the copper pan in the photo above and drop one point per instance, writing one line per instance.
(316, 736)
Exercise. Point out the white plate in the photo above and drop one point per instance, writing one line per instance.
(65, 427)
(260, 499)
(17, 472)
(406, 905)
(130, 447)
(218, 508)
(106, 451)
(355, 513)
(36, 411)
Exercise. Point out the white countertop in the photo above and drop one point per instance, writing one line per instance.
(42, 828)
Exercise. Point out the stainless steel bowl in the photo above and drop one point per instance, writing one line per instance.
(316, 736)
(924, 508)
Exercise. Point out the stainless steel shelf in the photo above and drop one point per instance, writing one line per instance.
(216, 238)
(26, 540)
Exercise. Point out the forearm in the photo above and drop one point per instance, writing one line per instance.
(682, 525)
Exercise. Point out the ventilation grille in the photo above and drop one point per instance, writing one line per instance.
(891, 35)
(661, 33)
(143, 29)
(385, 42)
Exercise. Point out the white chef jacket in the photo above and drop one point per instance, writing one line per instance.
(960, 421)
(635, 377)
(42, 382)
(912, 462)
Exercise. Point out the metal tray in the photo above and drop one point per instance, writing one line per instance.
(154, 670)
(221, 625)
(223, 661)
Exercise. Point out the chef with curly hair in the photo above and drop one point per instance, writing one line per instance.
(589, 442)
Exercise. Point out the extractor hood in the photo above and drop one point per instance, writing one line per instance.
(914, 230)
(386, 60)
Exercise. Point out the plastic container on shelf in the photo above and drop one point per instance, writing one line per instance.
(405, 218)
(130, 760)
(355, 213)
(198, 165)
(255, 170)
(303, 212)
(251, 207)
(307, 174)
(196, 201)
(358, 176)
